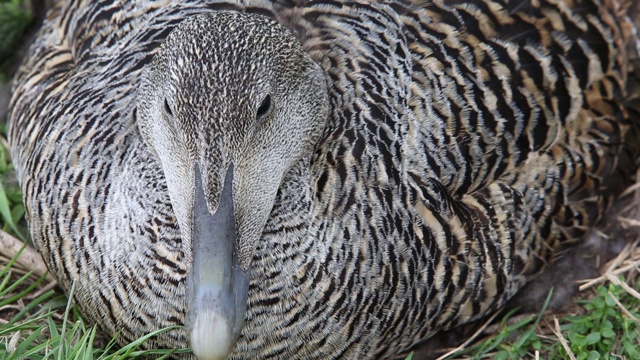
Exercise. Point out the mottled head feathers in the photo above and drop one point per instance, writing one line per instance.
(223, 88)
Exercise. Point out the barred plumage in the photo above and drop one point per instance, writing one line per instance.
(466, 142)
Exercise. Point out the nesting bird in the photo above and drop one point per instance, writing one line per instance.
(316, 180)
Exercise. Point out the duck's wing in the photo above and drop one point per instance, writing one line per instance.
(474, 136)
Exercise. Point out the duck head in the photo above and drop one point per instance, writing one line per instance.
(229, 103)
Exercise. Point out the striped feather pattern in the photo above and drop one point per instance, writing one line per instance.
(469, 142)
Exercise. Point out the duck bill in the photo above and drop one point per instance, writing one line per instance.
(218, 287)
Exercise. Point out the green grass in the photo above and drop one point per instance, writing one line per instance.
(599, 330)
(604, 328)
(15, 18)
(11, 206)
(503, 345)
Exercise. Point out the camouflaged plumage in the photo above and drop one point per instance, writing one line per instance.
(467, 142)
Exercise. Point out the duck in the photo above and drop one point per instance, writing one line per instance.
(316, 179)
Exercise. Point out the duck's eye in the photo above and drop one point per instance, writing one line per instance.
(265, 106)
(167, 108)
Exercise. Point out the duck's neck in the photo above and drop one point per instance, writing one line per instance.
(287, 228)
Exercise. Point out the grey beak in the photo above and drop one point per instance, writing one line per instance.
(218, 287)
